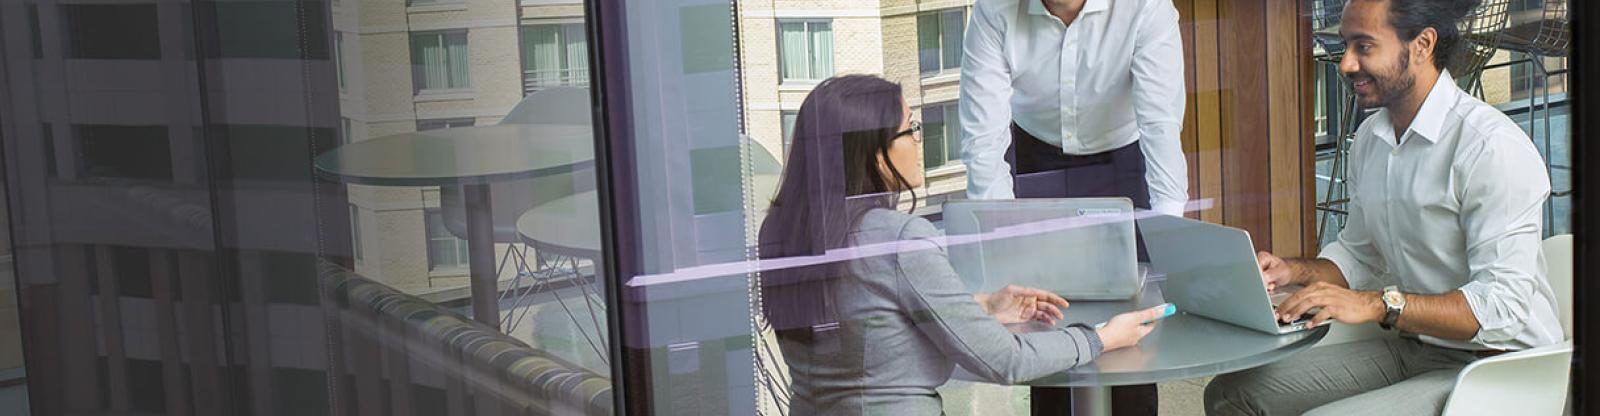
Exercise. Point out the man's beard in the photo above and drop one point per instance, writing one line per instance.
(1388, 88)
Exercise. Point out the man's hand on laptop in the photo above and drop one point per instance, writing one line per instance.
(1275, 271)
(1335, 302)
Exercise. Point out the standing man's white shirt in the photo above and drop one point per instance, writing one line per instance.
(1457, 204)
(1113, 77)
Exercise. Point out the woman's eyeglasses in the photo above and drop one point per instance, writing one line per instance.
(915, 131)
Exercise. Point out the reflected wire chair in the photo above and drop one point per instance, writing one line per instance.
(1540, 34)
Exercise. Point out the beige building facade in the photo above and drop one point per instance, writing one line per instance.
(886, 38)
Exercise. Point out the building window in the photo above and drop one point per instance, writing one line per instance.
(788, 130)
(431, 2)
(33, 29)
(445, 251)
(345, 136)
(941, 135)
(355, 232)
(439, 60)
(49, 134)
(805, 50)
(111, 31)
(126, 152)
(939, 40)
(338, 57)
(554, 55)
(268, 29)
(444, 123)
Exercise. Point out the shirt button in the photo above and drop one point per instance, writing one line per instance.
(1072, 111)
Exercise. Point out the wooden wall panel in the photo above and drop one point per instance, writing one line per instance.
(1247, 131)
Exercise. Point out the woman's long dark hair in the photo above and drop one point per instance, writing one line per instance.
(831, 179)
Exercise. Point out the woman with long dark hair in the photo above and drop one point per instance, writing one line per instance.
(876, 319)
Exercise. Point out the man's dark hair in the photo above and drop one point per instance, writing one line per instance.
(1410, 17)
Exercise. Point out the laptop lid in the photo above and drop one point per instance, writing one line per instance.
(1211, 271)
(1079, 248)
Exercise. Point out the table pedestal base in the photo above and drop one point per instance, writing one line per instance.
(1084, 401)
(480, 255)
(1091, 401)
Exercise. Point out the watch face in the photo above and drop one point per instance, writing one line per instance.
(1394, 298)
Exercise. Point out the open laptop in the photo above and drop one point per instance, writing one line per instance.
(1079, 248)
(1212, 272)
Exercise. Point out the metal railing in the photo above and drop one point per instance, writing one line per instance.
(397, 342)
(534, 80)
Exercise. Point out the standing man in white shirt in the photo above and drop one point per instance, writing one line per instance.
(1090, 88)
(1075, 98)
(1442, 243)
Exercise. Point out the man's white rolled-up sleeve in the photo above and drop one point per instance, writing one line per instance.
(1502, 192)
(985, 108)
(1159, 102)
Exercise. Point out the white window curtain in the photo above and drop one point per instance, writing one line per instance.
(541, 54)
(793, 50)
(440, 59)
(928, 45)
(939, 40)
(954, 24)
(821, 50)
(554, 54)
(805, 50)
(577, 65)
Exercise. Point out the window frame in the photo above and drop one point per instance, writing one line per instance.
(944, 68)
(417, 77)
(812, 78)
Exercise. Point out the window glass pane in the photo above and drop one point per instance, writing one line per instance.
(952, 123)
(106, 151)
(248, 146)
(47, 132)
(933, 136)
(107, 31)
(231, 210)
(355, 231)
(269, 29)
(954, 22)
(793, 47)
(928, 43)
(440, 60)
(33, 30)
(821, 49)
(338, 56)
(788, 128)
(554, 55)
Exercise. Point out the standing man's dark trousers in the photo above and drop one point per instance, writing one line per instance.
(1040, 170)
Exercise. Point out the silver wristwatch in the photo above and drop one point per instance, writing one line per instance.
(1394, 302)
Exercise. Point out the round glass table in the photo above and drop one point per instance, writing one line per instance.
(472, 157)
(1182, 346)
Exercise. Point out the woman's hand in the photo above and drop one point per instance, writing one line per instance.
(1016, 304)
(1127, 329)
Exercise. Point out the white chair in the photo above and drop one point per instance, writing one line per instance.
(1529, 382)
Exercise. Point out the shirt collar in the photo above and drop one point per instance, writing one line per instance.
(1036, 7)
(1430, 118)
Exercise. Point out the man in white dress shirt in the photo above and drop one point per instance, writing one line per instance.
(1090, 89)
(1442, 242)
(1075, 98)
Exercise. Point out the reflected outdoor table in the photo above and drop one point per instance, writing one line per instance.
(472, 157)
(1181, 347)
